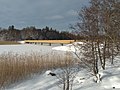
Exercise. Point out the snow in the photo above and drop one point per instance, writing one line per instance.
(48, 72)
(83, 80)
(25, 48)
(64, 48)
(69, 47)
(22, 42)
(80, 79)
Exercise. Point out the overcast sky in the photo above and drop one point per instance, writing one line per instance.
(39, 13)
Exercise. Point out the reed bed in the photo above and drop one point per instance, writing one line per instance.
(15, 67)
(50, 41)
(8, 43)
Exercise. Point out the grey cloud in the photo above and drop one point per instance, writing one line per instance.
(72, 12)
(39, 12)
(55, 17)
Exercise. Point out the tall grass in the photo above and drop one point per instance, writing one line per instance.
(15, 67)
(8, 43)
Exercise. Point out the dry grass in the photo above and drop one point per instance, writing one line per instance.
(14, 67)
(8, 42)
(50, 41)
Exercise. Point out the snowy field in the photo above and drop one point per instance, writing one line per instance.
(110, 76)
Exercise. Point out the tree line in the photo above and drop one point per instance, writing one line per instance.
(31, 33)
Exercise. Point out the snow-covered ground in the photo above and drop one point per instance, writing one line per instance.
(83, 80)
(110, 79)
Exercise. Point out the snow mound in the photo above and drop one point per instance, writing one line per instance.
(21, 42)
(69, 47)
(48, 72)
(80, 79)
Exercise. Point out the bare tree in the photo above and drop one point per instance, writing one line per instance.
(99, 25)
(67, 73)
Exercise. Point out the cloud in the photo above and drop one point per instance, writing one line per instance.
(72, 13)
(39, 12)
(55, 17)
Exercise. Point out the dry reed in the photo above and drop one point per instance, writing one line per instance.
(8, 43)
(15, 67)
(50, 41)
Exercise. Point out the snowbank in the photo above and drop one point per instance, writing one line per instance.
(82, 81)
(22, 42)
(69, 47)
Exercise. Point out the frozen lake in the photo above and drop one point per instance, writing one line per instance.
(25, 48)
(31, 48)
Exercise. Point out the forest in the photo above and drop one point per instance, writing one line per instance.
(32, 33)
